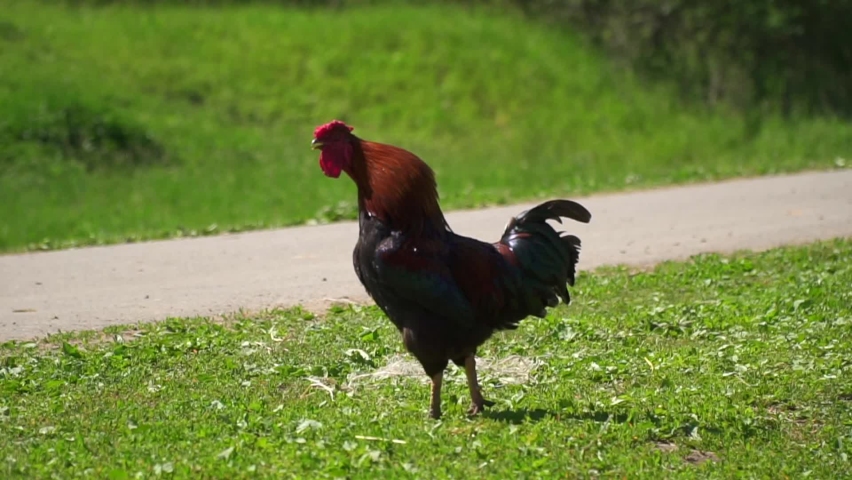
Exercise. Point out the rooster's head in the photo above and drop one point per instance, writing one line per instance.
(334, 140)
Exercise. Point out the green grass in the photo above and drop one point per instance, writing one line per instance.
(748, 357)
(123, 123)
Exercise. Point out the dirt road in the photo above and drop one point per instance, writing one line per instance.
(89, 288)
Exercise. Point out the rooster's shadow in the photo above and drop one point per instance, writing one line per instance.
(518, 416)
(527, 415)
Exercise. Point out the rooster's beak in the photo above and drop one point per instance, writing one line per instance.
(316, 144)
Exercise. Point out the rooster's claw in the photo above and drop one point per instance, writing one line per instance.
(476, 409)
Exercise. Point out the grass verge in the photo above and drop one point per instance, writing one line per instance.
(715, 368)
(123, 123)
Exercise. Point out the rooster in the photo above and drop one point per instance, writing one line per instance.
(446, 293)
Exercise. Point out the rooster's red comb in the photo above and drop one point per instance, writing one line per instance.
(330, 127)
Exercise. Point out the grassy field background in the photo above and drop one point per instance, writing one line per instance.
(125, 123)
(719, 367)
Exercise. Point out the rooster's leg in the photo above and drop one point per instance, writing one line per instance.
(435, 403)
(478, 403)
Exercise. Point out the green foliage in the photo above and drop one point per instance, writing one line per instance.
(719, 367)
(789, 56)
(130, 122)
(761, 56)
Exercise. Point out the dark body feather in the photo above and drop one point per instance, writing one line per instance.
(447, 294)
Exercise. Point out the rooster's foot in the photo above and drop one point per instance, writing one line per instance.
(478, 407)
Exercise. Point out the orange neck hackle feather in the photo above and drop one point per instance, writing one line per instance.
(397, 187)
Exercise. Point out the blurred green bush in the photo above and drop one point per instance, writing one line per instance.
(788, 56)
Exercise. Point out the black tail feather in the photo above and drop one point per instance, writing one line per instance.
(554, 210)
(547, 259)
(573, 244)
